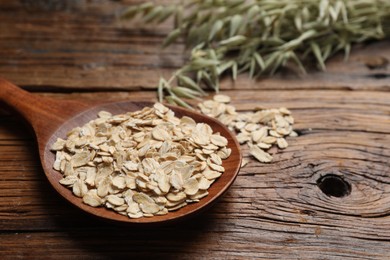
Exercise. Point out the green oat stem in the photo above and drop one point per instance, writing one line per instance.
(259, 36)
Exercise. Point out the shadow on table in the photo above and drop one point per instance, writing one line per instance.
(99, 239)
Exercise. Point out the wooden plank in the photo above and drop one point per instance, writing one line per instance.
(274, 211)
(186, 242)
(87, 48)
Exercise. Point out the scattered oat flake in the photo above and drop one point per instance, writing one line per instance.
(244, 162)
(115, 200)
(176, 196)
(262, 128)
(218, 140)
(260, 155)
(104, 114)
(282, 143)
(92, 199)
(221, 98)
(191, 186)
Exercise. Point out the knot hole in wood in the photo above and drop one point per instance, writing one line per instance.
(334, 185)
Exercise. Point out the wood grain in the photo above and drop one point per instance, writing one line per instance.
(272, 211)
(89, 48)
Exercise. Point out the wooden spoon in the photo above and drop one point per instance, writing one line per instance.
(51, 118)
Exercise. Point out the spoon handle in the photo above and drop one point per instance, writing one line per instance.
(20, 100)
(40, 112)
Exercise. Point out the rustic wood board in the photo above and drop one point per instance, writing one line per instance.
(272, 211)
(85, 47)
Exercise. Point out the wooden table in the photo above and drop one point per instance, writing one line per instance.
(272, 211)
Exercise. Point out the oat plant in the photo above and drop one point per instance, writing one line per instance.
(259, 37)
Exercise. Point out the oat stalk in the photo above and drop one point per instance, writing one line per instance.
(259, 37)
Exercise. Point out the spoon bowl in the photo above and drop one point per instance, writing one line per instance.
(52, 119)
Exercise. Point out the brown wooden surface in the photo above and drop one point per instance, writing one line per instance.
(272, 211)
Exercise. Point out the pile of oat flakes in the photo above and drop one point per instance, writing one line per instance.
(141, 163)
(260, 129)
(149, 162)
